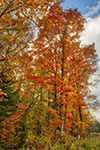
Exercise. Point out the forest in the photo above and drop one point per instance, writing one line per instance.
(45, 98)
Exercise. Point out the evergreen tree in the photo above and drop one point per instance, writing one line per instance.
(12, 126)
(9, 99)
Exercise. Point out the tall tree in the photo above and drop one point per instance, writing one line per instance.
(58, 53)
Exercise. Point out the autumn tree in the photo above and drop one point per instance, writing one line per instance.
(18, 22)
(67, 66)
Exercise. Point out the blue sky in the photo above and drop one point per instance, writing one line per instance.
(84, 6)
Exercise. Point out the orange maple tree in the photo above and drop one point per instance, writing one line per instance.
(65, 66)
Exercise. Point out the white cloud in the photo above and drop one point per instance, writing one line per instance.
(91, 34)
(93, 10)
(96, 114)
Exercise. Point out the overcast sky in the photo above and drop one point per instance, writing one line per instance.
(90, 9)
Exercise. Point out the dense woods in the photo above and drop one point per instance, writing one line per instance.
(44, 75)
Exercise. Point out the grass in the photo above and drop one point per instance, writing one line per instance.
(90, 142)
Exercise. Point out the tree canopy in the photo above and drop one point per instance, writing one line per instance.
(44, 74)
